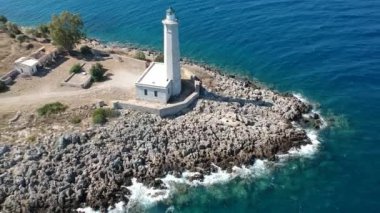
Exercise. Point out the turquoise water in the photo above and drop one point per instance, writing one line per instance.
(327, 50)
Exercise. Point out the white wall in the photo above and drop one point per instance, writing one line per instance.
(172, 54)
(25, 69)
(162, 94)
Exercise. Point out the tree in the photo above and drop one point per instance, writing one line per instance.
(97, 72)
(66, 30)
(3, 19)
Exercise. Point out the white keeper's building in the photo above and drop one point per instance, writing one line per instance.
(25, 65)
(160, 81)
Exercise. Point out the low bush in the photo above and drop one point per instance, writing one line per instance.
(21, 38)
(3, 86)
(140, 55)
(159, 58)
(52, 108)
(3, 19)
(43, 30)
(99, 116)
(85, 50)
(97, 72)
(76, 68)
(12, 28)
(75, 119)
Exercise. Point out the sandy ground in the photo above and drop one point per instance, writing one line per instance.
(11, 50)
(30, 93)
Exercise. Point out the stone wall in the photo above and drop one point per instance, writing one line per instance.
(164, 110)
(83, 84)
(9, 77)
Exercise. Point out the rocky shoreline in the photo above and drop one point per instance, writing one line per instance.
(233, 123)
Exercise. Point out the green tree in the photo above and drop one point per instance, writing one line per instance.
(97, 72)
(66, 30)
(3, 19)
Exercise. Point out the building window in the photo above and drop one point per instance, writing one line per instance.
(145, 92)
(155, 94)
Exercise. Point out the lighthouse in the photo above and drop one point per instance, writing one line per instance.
(161, 81)
(171, 51)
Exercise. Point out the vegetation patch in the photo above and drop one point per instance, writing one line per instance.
(159, 58)
(75, 119)
(140, 55)
(97, 72)
(66, 30)
(21, 38)
(101, 115)
(3, 19)
(3, 87)
(85, 50)
(52, 108)
(76, 68)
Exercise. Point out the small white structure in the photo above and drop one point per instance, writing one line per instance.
(160, 81)
(26, 65)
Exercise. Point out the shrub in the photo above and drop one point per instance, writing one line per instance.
(3, 19)
(12, 29)
(3, 27)
(31, 31)
(85, 50)
(99, 116)
(52, 108)
(76, 68)
(97, 72)
(159, 58)
(75, 119)
(43, 30)
(140, 55)
(21, 38)
(3, 86)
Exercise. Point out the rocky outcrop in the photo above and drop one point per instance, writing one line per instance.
(233, 123)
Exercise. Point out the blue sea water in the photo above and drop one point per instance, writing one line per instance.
(327, 50)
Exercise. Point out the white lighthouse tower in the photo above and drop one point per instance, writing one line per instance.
(171, 51)
(161, 81)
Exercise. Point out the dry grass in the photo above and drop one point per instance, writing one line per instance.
(11, 50)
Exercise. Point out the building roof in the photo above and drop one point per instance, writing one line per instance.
(21, 59)
(27, 61)
(155, 75)
(30, 62)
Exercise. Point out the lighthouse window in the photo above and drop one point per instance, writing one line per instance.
(155, 94)
(145, 92)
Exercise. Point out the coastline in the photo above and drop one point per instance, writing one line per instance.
(228, 97)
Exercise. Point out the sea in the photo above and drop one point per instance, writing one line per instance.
(325, 51)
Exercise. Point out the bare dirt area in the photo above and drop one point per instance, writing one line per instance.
(11, 50)
(27, 94)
